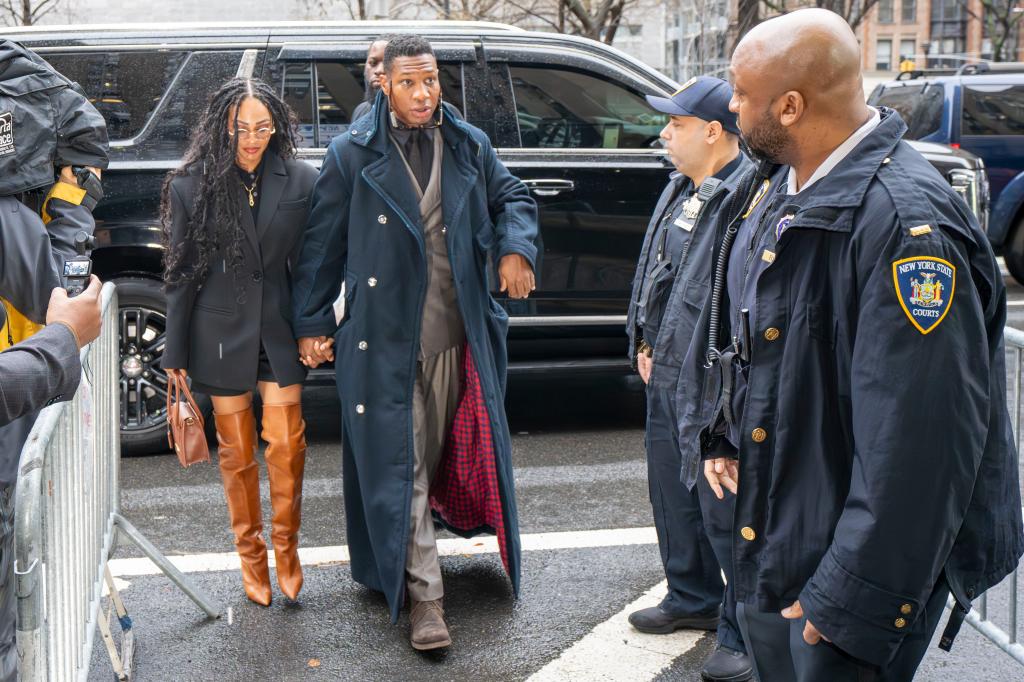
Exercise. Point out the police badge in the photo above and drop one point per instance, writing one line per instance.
(783, 225)
(762, 190)
(691, 207)
(924, 287)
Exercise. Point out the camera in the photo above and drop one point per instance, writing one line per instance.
(78, 269)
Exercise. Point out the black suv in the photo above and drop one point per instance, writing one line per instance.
(566, 114)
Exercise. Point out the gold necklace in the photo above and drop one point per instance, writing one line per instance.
(252, 190)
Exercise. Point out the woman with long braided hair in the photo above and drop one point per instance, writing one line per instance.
(233, 216)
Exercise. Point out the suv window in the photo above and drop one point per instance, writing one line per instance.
(993, 110)
(200, 77)
(558, 107)
(324, 112)
(124, 86)
(919, 105)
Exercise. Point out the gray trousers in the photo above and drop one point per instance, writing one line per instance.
(435, 398)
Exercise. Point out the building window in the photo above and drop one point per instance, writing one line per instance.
(907, 49)
(948, 33)
(885, 12)
(883, 55)
(909, 11)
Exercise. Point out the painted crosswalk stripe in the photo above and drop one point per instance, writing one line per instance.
(614, 651)
(333, 554)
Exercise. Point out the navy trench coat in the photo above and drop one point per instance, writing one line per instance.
(365, 229)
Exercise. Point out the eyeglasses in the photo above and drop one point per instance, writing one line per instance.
(259, 133)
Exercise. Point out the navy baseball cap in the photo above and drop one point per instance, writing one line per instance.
(705, 97)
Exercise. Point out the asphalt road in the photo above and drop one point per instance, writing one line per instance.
(578, 453)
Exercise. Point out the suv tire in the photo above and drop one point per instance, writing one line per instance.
(142, 316)
(1013, 252)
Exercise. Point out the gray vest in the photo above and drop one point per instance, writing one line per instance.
(442, 326)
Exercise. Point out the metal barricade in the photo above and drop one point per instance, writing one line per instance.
(1007, 639)
(67, 521)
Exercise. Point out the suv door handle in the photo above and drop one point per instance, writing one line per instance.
(549, 187)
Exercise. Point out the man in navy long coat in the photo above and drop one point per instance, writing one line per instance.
(409, 204)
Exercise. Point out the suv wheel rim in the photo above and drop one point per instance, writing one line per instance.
(143, 382)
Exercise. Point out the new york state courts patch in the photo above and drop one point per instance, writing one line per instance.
(924, 286)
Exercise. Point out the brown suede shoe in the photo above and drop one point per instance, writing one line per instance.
(428, 627)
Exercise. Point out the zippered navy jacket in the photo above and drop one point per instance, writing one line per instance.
(691, 276)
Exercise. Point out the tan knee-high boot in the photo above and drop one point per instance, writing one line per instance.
(285, 433)
(236, 438)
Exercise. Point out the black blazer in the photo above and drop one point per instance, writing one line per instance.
(209, 331)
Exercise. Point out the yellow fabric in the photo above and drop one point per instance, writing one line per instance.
(17, 328)
(65, 192)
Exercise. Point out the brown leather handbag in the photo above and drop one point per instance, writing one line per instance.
(185, 426)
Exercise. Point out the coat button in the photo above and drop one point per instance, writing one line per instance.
(363, 345)
(748, 533)
(382, 219)
(360, 408)
(257, 276)
(759, 435)
(444, 229)
(906, 609)
(901, 622)
(372, 281)
(771, 333)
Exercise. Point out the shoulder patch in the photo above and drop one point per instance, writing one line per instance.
(924, 286)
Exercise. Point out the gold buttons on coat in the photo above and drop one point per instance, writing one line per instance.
(759, 435)
(901, 622)
(360, 408)
(382, 219)
(906, 609)
(363, 345)
(771, 333)
(372, 281)
(748, 533)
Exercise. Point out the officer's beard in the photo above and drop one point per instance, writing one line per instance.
(767, 140)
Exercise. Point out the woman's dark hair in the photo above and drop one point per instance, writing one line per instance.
(216, 221)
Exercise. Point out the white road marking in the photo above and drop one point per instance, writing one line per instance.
(335, 554)
(1014, 304)
(614, 651)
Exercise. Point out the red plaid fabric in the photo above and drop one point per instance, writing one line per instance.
(465, 487)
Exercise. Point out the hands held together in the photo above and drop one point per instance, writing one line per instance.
(315, 350)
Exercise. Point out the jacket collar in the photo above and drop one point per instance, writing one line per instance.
(275, 177)
(848, 182)
(823, 205)
(454, 130)
(729, 174)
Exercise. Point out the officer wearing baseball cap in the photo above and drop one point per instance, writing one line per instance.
(669, 289)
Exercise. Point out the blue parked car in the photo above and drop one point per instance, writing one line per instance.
(978, 108)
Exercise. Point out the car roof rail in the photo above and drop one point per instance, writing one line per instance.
(924, 73)
(979, 68)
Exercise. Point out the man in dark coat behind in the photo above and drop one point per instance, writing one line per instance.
(409, 204)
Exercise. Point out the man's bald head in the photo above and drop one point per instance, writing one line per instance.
(797, 79)
(813, 51)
